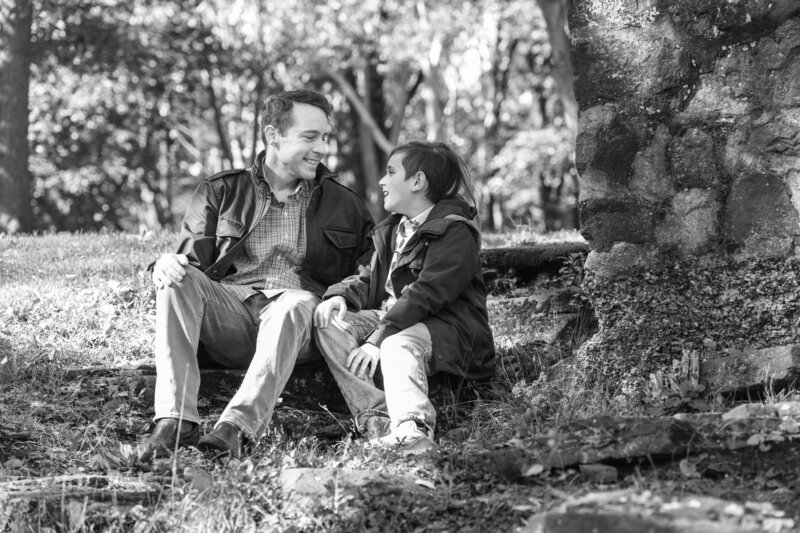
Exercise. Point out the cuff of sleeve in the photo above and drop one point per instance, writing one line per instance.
(380, 334)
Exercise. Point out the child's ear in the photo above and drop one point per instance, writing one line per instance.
(420, 181)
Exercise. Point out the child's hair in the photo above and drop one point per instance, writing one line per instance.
(448, 175)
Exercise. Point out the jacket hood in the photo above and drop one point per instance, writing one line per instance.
(453, 206)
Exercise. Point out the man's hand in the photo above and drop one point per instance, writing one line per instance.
(169, 270)
(336, 306)
(364, 359)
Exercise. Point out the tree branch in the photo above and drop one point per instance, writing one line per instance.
(400, 111)
(363, 113)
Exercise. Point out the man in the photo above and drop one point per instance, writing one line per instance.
(258, 248)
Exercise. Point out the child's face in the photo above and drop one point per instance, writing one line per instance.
(398, 192)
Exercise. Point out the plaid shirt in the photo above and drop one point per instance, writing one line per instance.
(406, 228)
(271, 257)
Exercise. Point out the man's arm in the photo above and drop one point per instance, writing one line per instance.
(198, 237)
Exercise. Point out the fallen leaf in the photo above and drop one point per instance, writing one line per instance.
(425, 483)
(534, 470)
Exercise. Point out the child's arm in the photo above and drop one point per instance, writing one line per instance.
(451, 262)
(354, 289)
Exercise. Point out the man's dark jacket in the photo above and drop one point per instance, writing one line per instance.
(225, 209)
(439, 282)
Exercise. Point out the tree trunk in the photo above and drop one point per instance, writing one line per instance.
(555, 16)
(372, 160)
(219, 121)
(434, 93)
(15, 61)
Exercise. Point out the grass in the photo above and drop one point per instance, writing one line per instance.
(85, 300)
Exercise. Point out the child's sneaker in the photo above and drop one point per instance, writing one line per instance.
(407, 438)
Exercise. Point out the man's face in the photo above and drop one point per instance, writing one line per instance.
(296, 153)
(397, 190)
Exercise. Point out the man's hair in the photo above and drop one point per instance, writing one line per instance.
(277, 108)
(448, 175)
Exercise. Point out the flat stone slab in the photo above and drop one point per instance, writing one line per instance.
(629, 511)
(310, 490)
(609, 438)
(743, 371)
(95, 487)
(71, 495)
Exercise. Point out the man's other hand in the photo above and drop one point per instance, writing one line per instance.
(169, 270)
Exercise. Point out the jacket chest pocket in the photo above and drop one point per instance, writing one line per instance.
(338, 253)
(229, 229)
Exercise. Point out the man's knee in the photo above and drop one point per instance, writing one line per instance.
(189, 287)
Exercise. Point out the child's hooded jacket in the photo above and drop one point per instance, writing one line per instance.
(438, 281)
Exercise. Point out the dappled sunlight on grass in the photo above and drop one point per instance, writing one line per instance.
(524, 235)
(79, 299)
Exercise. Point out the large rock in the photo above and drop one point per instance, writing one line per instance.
(759, 208)
(650, 180)
(689, 135)
(619, 259)
(692, 224)
(691, 164)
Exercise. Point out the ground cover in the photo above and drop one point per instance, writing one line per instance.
(70, 440)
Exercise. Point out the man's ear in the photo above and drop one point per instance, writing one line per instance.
(420, 181)
(271, 135)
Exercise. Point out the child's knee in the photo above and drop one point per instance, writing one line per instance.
(398, 354)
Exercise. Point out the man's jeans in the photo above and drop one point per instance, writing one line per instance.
(264, 335)
(405, 363)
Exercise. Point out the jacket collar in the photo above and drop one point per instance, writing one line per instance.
(444, 213)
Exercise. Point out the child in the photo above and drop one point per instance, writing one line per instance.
(420, 306)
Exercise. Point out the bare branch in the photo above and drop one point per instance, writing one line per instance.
(363, 113)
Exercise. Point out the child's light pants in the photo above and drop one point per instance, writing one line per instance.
(405, 364)
(264, 335)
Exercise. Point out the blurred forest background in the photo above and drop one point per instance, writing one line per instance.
(132, 103)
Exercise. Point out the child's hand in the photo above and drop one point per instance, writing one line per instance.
(364, 359)
(323, 312)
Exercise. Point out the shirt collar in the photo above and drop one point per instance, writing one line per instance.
(418, 220)
(266, 171)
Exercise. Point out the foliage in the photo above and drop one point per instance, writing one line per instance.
(133, 102)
